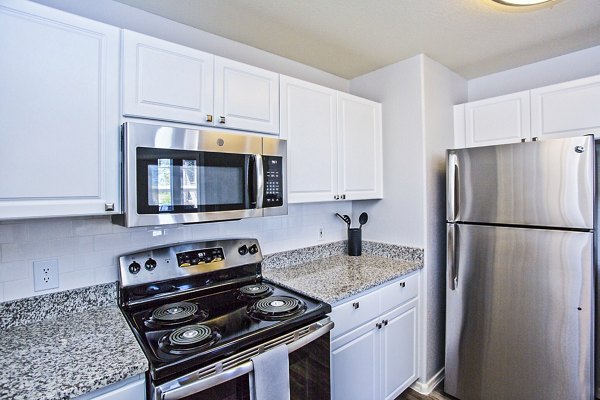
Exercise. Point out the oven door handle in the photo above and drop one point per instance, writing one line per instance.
(196, 382)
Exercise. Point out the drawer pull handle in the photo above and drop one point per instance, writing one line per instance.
(356, 305)
(402, 284)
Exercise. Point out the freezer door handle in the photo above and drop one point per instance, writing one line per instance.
(452, 187)
(451, 261)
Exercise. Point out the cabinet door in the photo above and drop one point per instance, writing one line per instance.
(499, 120)
(399, 350)
(246, 97)
(360, 152)
(309, 123)
(59, 119)
(460, 133)
(355, 364)
(166, 81)
(567, 109)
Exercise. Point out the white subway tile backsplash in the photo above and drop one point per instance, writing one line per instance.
(87, 248)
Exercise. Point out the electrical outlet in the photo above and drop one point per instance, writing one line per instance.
(45, 274)
(321, 234)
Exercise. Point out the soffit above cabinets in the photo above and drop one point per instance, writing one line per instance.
(351, 37)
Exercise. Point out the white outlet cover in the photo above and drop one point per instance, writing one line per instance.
(45, 274)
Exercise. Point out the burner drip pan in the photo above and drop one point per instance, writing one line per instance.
(189, 338)
(277, 308)
(255, 291)
(176, 313)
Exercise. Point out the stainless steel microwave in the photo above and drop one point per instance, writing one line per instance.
(178, 176)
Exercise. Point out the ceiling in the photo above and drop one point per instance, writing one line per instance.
(349, 38)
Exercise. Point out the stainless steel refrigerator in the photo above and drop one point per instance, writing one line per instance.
(520, 271)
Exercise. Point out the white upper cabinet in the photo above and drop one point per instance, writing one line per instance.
(246, 97)
(503, 119)
(334, 143)
(59, 114)
(166, 81)
(309, 123)
(566, 109)
(360, 166)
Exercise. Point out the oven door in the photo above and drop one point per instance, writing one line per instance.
(176, 175)
(230, 378)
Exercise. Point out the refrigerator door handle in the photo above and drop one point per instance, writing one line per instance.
(451, 262)
(452, 187)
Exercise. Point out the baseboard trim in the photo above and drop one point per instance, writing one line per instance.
(427, 388)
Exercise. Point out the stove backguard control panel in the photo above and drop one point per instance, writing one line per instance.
(186, 259)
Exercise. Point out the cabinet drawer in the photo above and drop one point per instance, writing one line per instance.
(354, 313)
(399, 292)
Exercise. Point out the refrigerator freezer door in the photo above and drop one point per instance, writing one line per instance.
(519, 322)
(546, 183)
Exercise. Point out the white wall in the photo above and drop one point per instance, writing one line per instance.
(442, 88)
(398, 217)
(86, 248)
(579, 64)
(124, 16)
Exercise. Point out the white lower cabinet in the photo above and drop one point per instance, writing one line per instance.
(376, 359)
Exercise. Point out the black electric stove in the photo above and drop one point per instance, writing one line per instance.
(196, 303)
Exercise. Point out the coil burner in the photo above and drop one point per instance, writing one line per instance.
(188, 338)
(175, 314)
(255, 291)
(277, 308)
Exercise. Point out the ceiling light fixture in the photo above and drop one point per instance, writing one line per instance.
(521, 2)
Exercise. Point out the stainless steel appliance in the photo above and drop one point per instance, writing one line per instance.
(520, 271)
(201, 311)
(177, 176)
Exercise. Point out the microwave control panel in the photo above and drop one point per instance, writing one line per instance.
(273, 170)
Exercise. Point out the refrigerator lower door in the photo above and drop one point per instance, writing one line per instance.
(519, 307)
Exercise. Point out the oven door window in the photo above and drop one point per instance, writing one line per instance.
(178, 181)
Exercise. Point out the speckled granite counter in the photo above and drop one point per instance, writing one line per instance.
(336, 277)
(66, 356)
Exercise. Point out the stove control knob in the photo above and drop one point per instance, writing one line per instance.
(150, 264)
(243, 250)
(253, 249)
(134, 267)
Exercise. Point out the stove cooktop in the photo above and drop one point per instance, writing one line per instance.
(187, 332)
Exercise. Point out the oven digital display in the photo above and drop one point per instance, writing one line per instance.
(201, 256)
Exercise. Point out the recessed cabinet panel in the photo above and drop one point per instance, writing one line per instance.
(355, 368)
(498, 120)
(360, 148)
(399, 361)
(566, 109)
(246, 97)
(166, 81)
(308, 122)
(59, 115)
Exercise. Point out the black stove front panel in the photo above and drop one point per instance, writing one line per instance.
(230, 317)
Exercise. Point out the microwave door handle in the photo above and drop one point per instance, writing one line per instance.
(260, 180)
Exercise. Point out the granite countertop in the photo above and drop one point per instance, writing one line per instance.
(69, 355)
(337, 277)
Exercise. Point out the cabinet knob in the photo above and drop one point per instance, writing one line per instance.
(109, 207)
(534, 139)
(402, 284)
(221, 120)
(343, 197)
(385, 322)
(378, 325)
(522, 140)
(336, 197)
(356, 305)
(209, 118)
